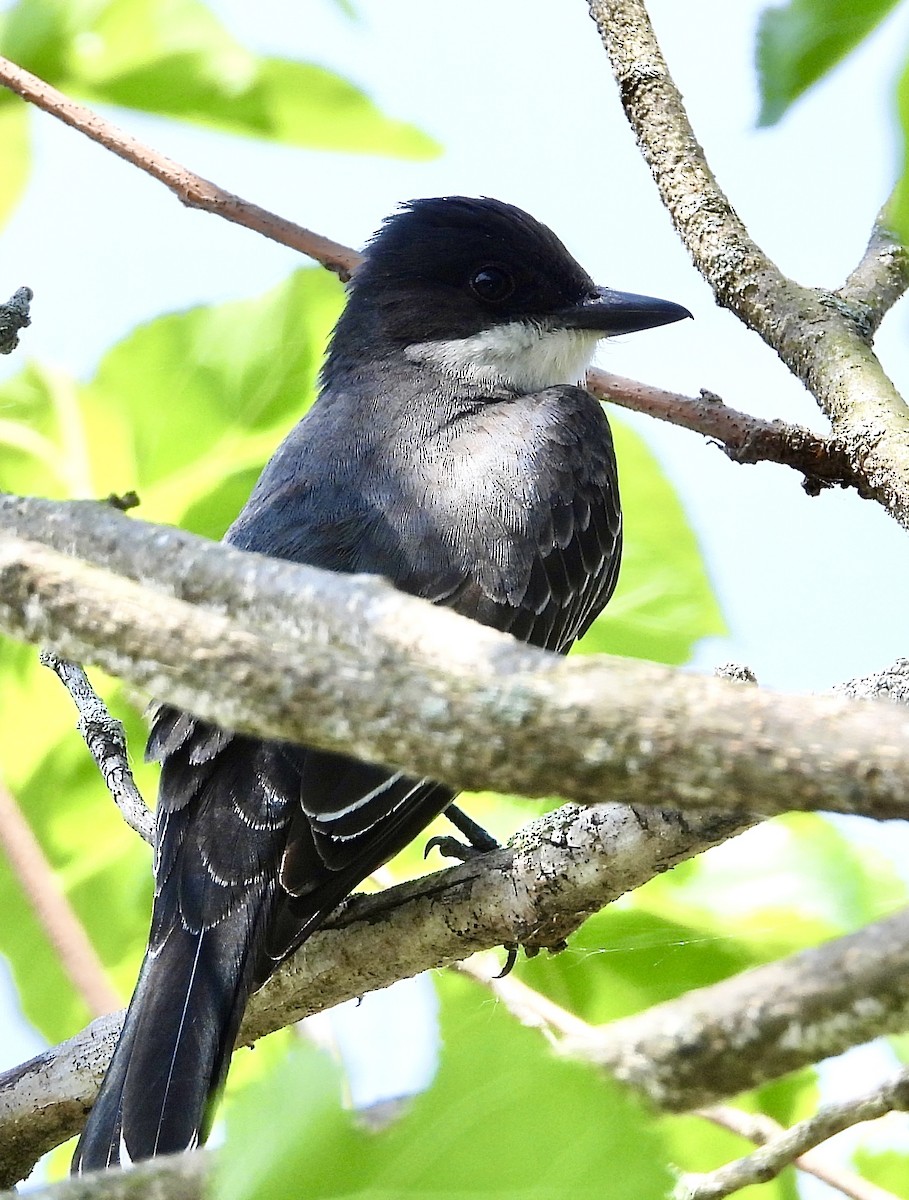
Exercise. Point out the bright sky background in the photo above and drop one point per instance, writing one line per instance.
(520, 95)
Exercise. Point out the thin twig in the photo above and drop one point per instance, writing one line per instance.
(106, 740)
(782, 1150)
(759, 1128)
(53, 910)
(191, 189)
(742, 437)
(529, 1006)
(745, 439)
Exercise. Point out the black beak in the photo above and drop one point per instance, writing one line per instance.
(612, 312)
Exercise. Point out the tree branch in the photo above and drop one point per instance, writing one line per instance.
(14, 316)
(106, 741)
(351, 664)
(759, 1128)
(557, 871)
(183, 1176)
(880, 278)
(742, 437)
(533, 1009)
(191, 189)
(814, 333)
(53, 910)
(745, 438)
(782, 1150)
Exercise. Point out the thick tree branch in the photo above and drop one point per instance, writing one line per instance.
(813, 332)
(763, 1023)
(351, 664)
(558, 870)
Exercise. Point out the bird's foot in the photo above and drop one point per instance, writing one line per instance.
(478, 840)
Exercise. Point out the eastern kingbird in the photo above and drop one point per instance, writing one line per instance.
(453, 451)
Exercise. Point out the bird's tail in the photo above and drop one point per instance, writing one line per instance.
(174, 1050)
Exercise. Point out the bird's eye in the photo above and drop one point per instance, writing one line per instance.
(492, 284)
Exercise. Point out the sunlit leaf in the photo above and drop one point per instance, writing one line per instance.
(505, 1117)
(174, 58)
(798, 43)
(888, 1169)
(197, 401)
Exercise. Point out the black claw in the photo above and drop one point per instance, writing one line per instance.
(511, 957)
(450, 847)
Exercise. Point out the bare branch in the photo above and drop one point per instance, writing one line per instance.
(191, 189)
(106, 741)
(763, 1023)
(559, 869)
(53, 910)
(172, 1177)
(758, 1128)
(746, 439)
(742, 437)
(352, 664)
(813, 332)
(782, 1150)
(880, 279)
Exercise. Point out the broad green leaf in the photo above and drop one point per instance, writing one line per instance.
(888, 1169)
(198, 401)
(174, 58)
(505, 1118)
(14, 153)
(801, 41)
(664, 603)
(625, 959)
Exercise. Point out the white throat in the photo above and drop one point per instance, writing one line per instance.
(520, 356)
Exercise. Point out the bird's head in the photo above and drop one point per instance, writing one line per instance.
(487, 293)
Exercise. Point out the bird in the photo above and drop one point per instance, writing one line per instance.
(453, 450)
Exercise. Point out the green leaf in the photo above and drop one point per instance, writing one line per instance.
(800, 42)
(889, 1169)
(196, 402)
(100, 864)
(898, 205)
(787, 883)
(14, 153)
(664, 603)
(505, 1118)
(174, 58)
